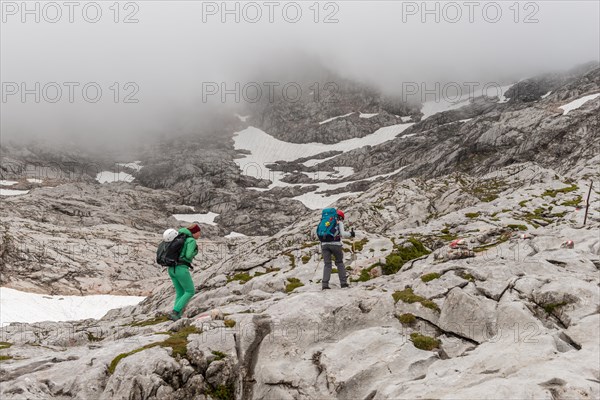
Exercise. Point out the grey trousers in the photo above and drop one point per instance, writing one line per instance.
(336, 251)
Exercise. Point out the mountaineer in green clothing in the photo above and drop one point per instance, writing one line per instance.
(180, 274)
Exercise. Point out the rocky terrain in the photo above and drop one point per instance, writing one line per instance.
(488, 135)
(516, 316)
(473, 274)
(80, 238)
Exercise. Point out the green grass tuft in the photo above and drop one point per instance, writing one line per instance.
(222, 392)
(294, 283)
(93, 338)
(429, 277)
(117, 359)
(407, 319)
(306, 258)
(424, 342)
(176, 341)
(358, 245)
(4, 358)
(572, 203)
(549, 308)
(229, 323)
(472, 215)
(219, 355)
(5, 345)
(292, 260)
(242, 277)
(408, 296)
(516, 227)
(152, 321)
(554, 192)
(466, 276)
(364, 273)
(401, 255)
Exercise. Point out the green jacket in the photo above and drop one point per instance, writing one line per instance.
(190, 248)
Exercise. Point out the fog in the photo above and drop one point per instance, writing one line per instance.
(153, 73)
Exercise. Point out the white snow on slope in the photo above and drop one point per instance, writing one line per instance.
(367, 115)
(334, 118)
(12, 192)
(547, 94)
(208, 218)
(109, 177)
(451, 103)
(406, 119)
(17, 306)
(575, 104)
(316, 161)
(135, 165)
(34, 180)
(343, 172)
(315, 200)
(265, 149)
(8, 183)
(234, 235)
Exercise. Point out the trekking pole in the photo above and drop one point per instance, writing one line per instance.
(316, 268)
(353, 248)
(587, 203)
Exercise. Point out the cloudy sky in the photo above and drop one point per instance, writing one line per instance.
(151, 59)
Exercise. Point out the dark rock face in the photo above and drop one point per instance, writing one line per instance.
(499, 134)
(302, 121)
(532, 89)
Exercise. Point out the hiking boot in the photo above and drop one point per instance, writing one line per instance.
(325, 288)
(344, 286)
(174, 316)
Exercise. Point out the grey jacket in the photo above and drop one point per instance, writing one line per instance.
(343, 234)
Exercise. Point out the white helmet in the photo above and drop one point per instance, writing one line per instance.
(169, 235)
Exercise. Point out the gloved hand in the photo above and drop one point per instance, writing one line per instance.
(352, 233)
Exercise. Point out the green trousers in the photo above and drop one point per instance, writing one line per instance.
(184, 286)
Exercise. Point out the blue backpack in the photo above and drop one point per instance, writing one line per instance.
(328, 230)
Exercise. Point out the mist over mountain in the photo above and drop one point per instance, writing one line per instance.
(457, 143)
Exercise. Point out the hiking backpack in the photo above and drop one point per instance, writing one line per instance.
(168, 252)
(328, 229)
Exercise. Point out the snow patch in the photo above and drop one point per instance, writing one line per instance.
(135, 165)
(208, 218)
(265, 149)
(343, 172)
(8, 183)
(446, 104)
(17, 306)
(575, 104)
(367, 115)
(334, 118)
(234, 235)
(406, 119)
(12, 192)
(316, 161)
(109, 177)
(316, 200)
(546, 95)
(34, 180)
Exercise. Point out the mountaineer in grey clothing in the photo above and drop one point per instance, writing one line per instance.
(334, 248)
